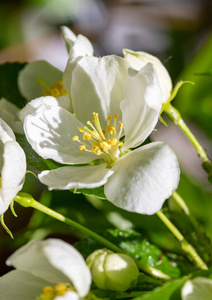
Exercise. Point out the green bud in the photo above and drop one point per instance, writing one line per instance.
(112, 271)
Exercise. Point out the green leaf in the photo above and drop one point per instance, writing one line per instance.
(8, 83)
(33, 159)
(98, 192)
(137, 246)
(168, 291)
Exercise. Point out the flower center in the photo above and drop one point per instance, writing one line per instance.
(50, 293)
(104, 143)
(55, 90)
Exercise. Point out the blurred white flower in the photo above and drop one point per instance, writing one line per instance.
(40, 78)
(50, 269)
(197, 288)
(12, 166)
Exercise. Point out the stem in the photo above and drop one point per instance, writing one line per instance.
(26, 200)
(175, 116)
(179, 200)
(184, 243)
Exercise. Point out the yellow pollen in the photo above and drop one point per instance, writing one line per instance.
(110, 129)
(93, 119)
(80, 129)
(120, 144)
(48, 290)
(112, 142)
(121, 125)
(94, 149)
(55, 90)
(115, 116)
(82, 147)
(98, 152)
(60, 289)
(109, 118)
(87, 137)
(75, 138)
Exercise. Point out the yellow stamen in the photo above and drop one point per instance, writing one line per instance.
(48, 290)
(55, 90)
(75, 138)
(110, 129)
(98, 152)
(112, 142)
(87, 137)
(82, 148)
(60, 289)
(101, 142)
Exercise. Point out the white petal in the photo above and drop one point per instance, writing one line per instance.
(32, 258)
(68, 296)
(68, 260)
(138, 59)
(143, 179)
(68, 36)
(141, 105)
(20, 285)
(55, 260)
(78, 48)
(13, 172)
(6, 133)
(9, 113)
(30, 108)
(76, 177)
(29, 75)
(50, 130)
(197, 288)
(97, 86)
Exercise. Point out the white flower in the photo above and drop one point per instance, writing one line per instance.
(41, 78)
(40, 267)
(197, 288)
(121, 101)
(12, 166)
(138, 59)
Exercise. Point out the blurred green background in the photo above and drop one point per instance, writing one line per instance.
(177, 32)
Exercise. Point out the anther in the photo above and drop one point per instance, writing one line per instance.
(115, 116)
(48, 290)
(82, 148)
(87, 137)
(109, 118)
(110, 129)
(60, 289)
(75, 138)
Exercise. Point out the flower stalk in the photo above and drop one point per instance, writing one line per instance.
(188, 248)
(27, 200)
(176, 117)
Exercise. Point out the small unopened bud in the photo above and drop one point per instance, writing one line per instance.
(112, 271)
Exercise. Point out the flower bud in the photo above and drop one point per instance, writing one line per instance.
(138, 59)
(112, 271)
